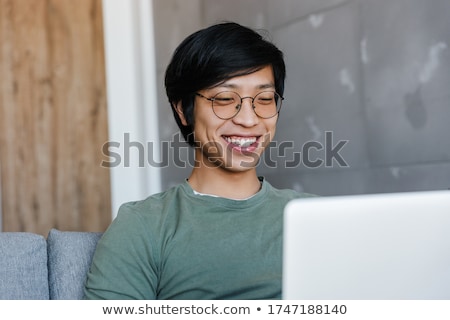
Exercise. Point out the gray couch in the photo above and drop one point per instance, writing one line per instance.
(33, 267)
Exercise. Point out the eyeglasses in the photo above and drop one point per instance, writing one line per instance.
(227, 104)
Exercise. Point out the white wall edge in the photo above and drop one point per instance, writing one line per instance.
(149, 92)
(131, 96)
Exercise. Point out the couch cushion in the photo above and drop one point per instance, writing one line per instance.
(23, 266)
(69, 258)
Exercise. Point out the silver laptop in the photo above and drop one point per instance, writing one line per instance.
(378, 247)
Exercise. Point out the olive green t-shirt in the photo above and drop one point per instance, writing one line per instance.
(181, 245)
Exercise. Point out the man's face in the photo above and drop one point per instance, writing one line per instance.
(235, 144)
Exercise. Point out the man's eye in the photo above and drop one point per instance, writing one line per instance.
(265, 100)
(223, 100)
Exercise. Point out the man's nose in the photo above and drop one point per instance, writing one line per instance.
(246, 115)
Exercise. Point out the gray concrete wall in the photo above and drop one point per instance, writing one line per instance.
(373, 73)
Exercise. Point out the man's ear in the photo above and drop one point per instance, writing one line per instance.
(179, 109)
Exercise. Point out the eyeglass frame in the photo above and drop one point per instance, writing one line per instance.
(240, 103)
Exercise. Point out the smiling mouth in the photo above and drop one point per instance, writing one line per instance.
(241, 142)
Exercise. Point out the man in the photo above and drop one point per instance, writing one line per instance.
(217, 235)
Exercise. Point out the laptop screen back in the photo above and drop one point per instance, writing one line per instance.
(385, 246)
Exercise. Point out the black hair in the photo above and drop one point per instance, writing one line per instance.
(213, 55)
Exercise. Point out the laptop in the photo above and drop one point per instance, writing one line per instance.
(371, 247)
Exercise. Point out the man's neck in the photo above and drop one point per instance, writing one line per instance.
(226, 184)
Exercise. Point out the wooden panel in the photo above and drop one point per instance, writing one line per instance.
(53, 118)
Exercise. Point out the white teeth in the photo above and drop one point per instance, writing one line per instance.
(241, 142)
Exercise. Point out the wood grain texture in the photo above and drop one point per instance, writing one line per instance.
(53, 116)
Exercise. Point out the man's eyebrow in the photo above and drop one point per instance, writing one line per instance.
(266, 86)
(233, 86)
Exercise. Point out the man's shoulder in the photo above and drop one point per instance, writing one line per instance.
(154, 204)
(288, 193)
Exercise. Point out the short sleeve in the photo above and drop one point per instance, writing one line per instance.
(124, 265)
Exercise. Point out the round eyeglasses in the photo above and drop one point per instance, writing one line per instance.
(227, 104)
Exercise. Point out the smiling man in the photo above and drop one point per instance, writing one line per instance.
(230, 134)
(217, 235)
